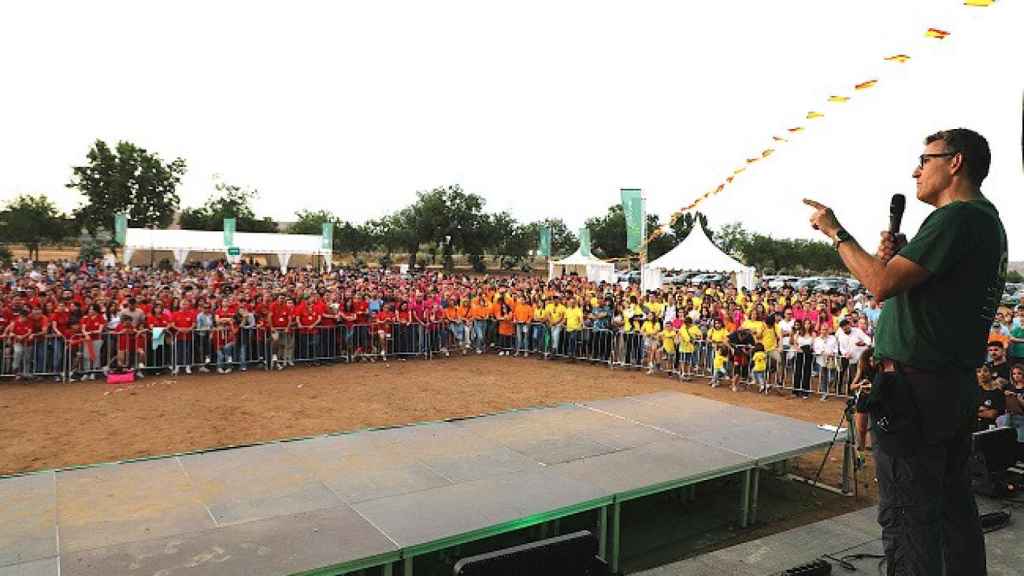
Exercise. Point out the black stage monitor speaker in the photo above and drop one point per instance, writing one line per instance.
(992, 453)
(569, 555)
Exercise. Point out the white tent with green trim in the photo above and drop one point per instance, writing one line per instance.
(594, 269)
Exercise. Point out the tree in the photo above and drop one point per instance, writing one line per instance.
(563, 242)
(126, 180)
(308, 222)
(231, 201)
(347, 237)
(683, 225)
(731, 239)
(608, 233)
(32, 221)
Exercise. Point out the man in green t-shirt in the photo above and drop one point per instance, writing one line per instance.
(941, 291)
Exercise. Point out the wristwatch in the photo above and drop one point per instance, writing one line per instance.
(841, 236)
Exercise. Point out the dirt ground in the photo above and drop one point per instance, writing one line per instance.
(51, 425)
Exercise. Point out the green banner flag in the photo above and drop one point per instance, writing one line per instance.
(544, 245)
(327, 235)
(633, 208)
(121, 228)
(229, 231)
(585, 241)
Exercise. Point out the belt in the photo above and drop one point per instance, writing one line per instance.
(889, 365)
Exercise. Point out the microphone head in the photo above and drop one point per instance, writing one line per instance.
(897, 204)
(896, 207)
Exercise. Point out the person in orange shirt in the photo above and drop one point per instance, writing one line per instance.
(506, 327)
(456, 314)
(522, 313)
(480, 313)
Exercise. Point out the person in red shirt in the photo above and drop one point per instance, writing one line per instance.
(159, 320)
(93, 325)
(225, 333)
(382, 327)
(308, 320)
(282, 339)
(183, 322)
(19, 332)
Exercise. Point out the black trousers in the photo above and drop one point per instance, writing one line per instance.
(926, 509)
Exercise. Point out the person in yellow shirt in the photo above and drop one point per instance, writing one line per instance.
(668, 347)
(573, 326)
(650, 329)
(770, 338)
(556, 323)
(754, 323)
(687, 347)
(721, 361)
(632, 320)
(760, 360)
(539, 326)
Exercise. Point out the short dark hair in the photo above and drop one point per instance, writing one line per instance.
(996, 344)
(972, 146)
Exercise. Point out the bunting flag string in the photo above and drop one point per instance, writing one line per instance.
(901, 58)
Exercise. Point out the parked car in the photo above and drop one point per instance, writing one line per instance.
(807, 282)
(678, 278)
(705, 279)
(630, 277)
(831, 286)
(777, 282)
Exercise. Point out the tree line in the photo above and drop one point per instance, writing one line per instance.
(438, 225)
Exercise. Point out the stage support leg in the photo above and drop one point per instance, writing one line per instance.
(753, 495)
(745, 498)
(602, 533)
(613, 563)
(388, 570)
(407, 570)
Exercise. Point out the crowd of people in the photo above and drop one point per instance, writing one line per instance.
(83, 318)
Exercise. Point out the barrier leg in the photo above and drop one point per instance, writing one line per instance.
(602, 533)
(388, 571)
(407, 568)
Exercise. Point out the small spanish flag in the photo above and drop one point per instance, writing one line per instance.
(838, 99)
(866, 85)
(767, 152)
(936, 33)
(720, 188)
(738, 170)
(901, 58)
(779, 139)
(979, 3)
(728, 180)
(752, 160)
(812, 115)
(795, 130)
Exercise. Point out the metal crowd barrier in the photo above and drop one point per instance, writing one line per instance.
(797, 371)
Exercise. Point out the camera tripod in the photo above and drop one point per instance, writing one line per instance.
(851, 462)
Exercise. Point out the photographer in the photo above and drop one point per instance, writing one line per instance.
(941, 291)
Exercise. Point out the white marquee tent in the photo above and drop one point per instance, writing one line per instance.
(696, 252)
(593, 268)
(183, 242)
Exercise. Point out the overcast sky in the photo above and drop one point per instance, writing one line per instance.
(543, 108)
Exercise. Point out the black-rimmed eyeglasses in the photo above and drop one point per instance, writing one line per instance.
(924, 158)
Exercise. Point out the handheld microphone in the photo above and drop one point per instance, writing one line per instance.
(896, 207)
